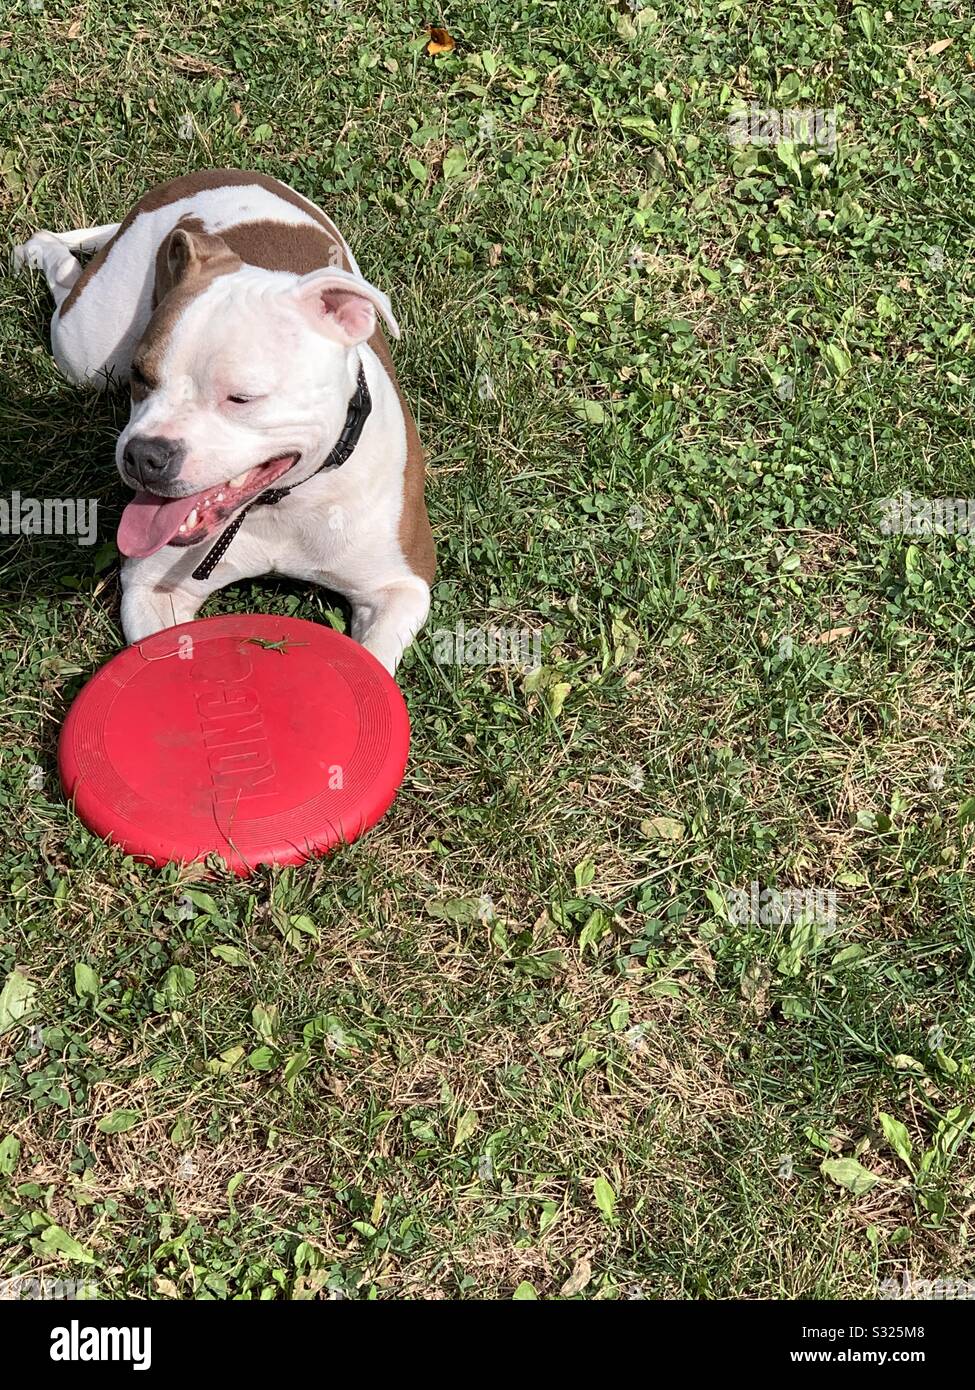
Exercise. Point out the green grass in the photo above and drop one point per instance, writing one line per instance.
(433, 1097)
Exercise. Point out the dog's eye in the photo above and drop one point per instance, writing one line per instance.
(241, 399)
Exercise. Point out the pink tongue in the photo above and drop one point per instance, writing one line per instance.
(148, 522)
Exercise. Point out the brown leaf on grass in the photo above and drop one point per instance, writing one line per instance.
(755, 984)
(662, 828)
(193, 65)
(440, 40)
(578, 1279)
(75, 29)
(833, 635)
(940, 46)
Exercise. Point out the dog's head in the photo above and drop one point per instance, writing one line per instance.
(241, 377)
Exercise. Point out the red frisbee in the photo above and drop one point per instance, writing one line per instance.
(264, 740)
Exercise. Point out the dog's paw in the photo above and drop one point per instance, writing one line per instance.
(26, 257)
(387, 649)
(30, 256)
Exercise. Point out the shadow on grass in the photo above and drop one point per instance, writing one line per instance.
(59, 448)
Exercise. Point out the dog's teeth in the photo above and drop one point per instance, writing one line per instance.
(240, 479)
(182, 529)
(220, 496)
(193, 518)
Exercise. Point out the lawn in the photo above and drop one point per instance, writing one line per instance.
(518, 1042)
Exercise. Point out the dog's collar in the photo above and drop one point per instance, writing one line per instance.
(358, 413)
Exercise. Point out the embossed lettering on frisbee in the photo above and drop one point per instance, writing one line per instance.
(264, 740)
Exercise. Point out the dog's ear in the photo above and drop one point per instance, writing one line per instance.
(342, 305)
(187, 252)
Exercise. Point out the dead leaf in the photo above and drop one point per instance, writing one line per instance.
(194, 65)
(494, 255)
(440, 40)
(540, 927)
(940, 46)
(75, 30)
(466, 1126)
(662, 828)
(700, 955)
(755, 984)
(578, 1279)
(833, 635)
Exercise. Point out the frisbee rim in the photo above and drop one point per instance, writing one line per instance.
(97, 812)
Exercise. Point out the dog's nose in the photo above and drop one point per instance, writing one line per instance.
(151, 460)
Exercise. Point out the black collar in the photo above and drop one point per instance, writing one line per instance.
(358, 413)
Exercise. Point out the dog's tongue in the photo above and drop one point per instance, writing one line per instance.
(148, 522)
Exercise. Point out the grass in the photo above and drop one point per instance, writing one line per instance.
(664, 381)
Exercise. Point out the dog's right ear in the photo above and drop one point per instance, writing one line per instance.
(342, 306)
(187, 253)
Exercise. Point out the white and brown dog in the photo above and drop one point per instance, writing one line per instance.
(268, 433)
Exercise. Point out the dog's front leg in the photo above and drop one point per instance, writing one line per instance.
(151, 603)
(386, 620)
(159, 591)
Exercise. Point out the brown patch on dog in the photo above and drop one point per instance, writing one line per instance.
(279, 246)
(187, 263)
(166, 275)
(185, 187)
(189, 184)
(415, 535)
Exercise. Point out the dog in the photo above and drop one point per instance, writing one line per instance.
(268, 432)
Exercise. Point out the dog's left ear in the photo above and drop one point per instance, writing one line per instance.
(343, 306)
(187, 252)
